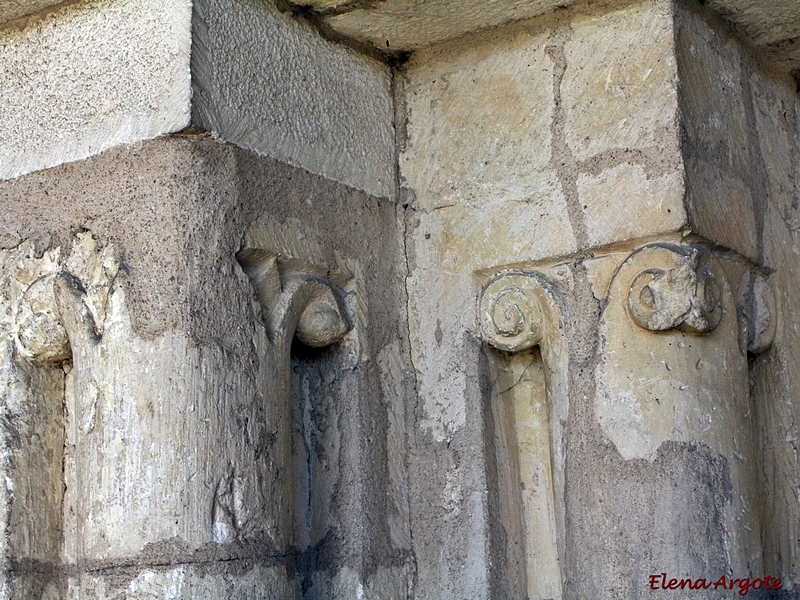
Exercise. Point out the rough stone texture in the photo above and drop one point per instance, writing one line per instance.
(764, 22)
(613, 101)
(742, 153)
(91, 76)
(165, 436)
(498, 170)
(424, 463)
(690, 389)
(405, 25)
(268, 82)
(615, 199)
(777, 122)
(773, 26)
(717, 143)
(648, 432)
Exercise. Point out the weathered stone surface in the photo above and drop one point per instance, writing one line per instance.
(720, 157)
(409, 24)
(403, 25)
(14, 9)
(518, 310)
(676, 501)
(91, 76)
(497, 89)
(524, 196)
(612, 101)
(615, 199)
(776, 381)
(172, 397)
(268, 82)
(765, 23)
(607, 430)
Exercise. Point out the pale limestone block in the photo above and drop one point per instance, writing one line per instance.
(450, 243)
(412, 24)
(479, 116)
(268, 82)
(521, 394)
(91, 76)
(721, 206)
(682, 387)
(612, 100)
(623, 203)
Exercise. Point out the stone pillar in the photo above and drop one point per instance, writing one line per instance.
(548, 149)
(162, 343)
(675, 487)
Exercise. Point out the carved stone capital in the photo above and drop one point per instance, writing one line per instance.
(510, 311)
(677, 287)
(295, 301)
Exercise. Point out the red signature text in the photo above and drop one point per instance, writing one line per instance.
(743, 585)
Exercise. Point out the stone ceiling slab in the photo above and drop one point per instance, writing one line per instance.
(409, 24)
(401, 25)
(764, 21)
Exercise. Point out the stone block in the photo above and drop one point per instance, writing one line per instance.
(268, 82)
(721, 207)
(711, 95)
(404, 25)
(624, 203)
(478, 120)
(90, 76)
(613, 101)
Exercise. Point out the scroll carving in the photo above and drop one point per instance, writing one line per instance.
(757, 311)
(681, 287)
(682, 291)
(297, 300)
(517, 311)
(510, 312)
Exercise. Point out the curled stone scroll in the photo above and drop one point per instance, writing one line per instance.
(517, 311)
(681, 291)
(510, 312)
(296, 301)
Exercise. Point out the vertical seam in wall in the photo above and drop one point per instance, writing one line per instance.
(562, 160)
(400, 116)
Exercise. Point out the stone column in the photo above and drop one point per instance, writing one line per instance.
(659, 473)
(155, 387)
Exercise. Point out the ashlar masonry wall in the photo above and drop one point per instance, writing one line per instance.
(741, 147)
(163, 435)
(566, 171)
(510, 318)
